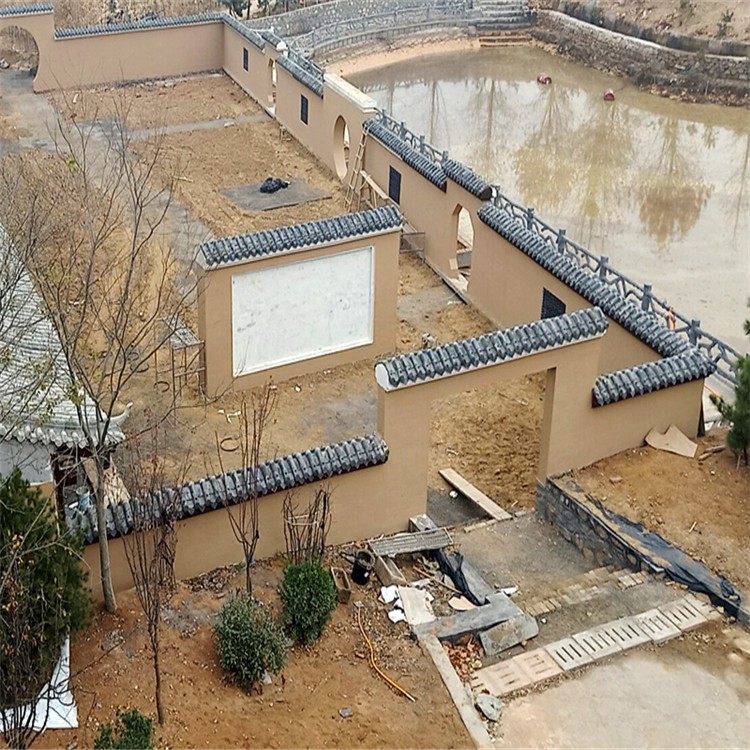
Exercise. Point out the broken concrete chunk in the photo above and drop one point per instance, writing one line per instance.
(489, 705)
(507, 634)
(388, 572)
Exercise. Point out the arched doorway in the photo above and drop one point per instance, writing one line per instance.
(341, 147)
(463, 229)
(19, 51)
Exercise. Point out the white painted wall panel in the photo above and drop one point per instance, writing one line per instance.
(302, 310)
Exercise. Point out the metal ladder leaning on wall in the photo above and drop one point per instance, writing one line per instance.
(353, 188)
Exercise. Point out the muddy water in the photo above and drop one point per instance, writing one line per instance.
(659, 186)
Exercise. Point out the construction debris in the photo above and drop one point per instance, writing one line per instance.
(673, 441)
(406, 542)
(467, 489)
(490, 706)
(388, 572)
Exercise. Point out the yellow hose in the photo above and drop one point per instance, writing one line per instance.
(391, 682)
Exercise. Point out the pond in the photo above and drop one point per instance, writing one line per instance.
(661, 187)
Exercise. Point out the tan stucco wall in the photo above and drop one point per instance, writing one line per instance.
(256, 80)
(215, 314)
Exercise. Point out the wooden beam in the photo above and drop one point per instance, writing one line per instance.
(469, 490)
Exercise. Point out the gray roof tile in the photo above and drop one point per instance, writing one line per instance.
(429, 169)
(467, 178)
(489, 349)
(278, 475)
(651, 376)
(306, 73)
(282, 239)
(139, 25)
(26, 9)
(252, 36)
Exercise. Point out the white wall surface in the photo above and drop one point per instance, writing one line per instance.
(32, 458)
(302, 310)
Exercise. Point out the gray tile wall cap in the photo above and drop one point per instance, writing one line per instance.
(227, 250)
(627, 313)
(142, 25)
(278, 475)
(28, 9)
(252, 36)
(489, 349)
(651, 376)
(301, 74)
(429, 169)
(467, 178)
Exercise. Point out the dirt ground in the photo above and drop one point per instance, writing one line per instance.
(694, 17)
(702, 506)
(301, 707)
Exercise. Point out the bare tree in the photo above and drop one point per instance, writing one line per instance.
(305, 531)
(151, 541)
(112, 289)
(243, 484)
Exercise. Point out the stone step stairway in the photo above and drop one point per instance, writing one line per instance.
(503, 14)
(536, 666)
(494, 39)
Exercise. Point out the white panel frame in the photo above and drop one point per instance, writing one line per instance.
(255, 292)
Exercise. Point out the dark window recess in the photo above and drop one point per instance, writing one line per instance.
(394, 185)
(303, 108)
(245, 59)
(551, 306)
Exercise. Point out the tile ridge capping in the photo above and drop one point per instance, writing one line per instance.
(223, 251)
(625, 312)
(423, 165)
(649, 377)
(275, 475)
(467, 178)
(486, 350)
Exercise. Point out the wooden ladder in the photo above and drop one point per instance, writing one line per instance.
(353, 187)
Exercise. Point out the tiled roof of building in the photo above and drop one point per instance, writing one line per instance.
(489, 349)
(282, 239)
(278, 475)
(303, 73)
(139, 25)
(429, 169)
(252, 36)
(651, 376)
(467, 178)
(35, 383)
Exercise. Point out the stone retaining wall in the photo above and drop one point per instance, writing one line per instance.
(644, 62)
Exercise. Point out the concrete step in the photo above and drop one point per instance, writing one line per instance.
(503, 41)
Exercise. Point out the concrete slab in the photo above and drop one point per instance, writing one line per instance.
(507, 634)
(249, 197)
(597, 643)
(627, 633)
(538, 665)
(656, 626)
(568, 654)
(501, 679)
(705, 608)
(683, 614)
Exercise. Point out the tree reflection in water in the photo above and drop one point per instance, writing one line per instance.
(671, 196)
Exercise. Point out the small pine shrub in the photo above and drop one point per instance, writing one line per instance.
(132, 731)
(308, 596)
(249, 641)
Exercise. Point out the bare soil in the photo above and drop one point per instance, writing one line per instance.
(299, 709)
(702, 506)
(692, 17)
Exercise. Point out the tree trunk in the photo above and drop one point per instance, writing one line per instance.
(248, 577)
(157, 674)
(110, 602)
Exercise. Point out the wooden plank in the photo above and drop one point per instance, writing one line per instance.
(406, 542)
(469, 490)
(459, 694)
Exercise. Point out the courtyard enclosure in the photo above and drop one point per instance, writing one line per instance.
(612, 368)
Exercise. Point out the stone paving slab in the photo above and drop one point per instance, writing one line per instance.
(705, 608)
(501, 679)
(598, 643)
(683, 614)
(568, 654)
(656, 626)
(627, 633)
(538, 665)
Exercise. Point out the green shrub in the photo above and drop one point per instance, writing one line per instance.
(248, 640)
(308, 596)
(132, 731)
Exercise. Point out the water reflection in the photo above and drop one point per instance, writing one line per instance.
(672, 196)
(661, 187)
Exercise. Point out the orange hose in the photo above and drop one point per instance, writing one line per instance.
(382, 674)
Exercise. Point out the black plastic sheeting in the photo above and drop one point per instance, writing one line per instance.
(451, 565)
(272, 184)
(678, 565)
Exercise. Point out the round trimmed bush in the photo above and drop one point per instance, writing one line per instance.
(308, 596)
(249, 641)
(132, 731)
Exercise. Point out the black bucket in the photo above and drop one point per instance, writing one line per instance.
(364, 562)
